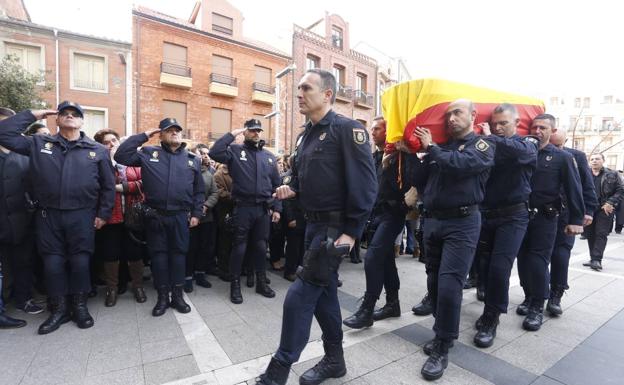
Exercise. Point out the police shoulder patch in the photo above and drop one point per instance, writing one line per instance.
(359, 135)
(482, 145)
(286, 179)
(531, 139)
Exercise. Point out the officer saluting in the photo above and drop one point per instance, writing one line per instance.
(333, 177)
(254, 178)
(556, 172)
(74, 186)
(452, 179)
(174, 192)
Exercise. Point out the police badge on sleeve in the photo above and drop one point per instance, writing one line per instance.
(359, 135)
(482, 145)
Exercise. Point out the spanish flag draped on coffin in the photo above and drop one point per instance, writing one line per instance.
(423, 103)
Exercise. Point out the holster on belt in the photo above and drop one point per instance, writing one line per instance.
(318, 265)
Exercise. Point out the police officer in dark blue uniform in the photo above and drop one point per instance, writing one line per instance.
(254, 179)
(452, 178)
(74, 187)
(505, 215)
(555, 172)
(333, 177)
(174, 195)
(557, 283)
(388, 221)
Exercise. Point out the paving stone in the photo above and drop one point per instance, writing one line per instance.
(585, 365)
(129, 376)
(544, 380)
(173, 369)
(533, 352)
(607, 340)
(108, 359)
(392, 346)
(164, 349)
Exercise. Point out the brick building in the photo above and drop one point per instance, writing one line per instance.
(325, 44)
(203, 72)
(92, 71)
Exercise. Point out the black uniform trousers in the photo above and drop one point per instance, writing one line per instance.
(305, 300)
(450, 246)
(251, 233)
(66, 237)
(534, 257)
(200, 256)
(20, 259)
(294, 249)
(560, 259)
(597, 233)
(167, 237)
(499, 243)
(276, 241)
(379, 262)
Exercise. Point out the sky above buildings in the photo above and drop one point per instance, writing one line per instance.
(536, 47)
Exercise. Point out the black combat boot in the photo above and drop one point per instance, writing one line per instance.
(80, 312)
(431, 345)
(163, 301)
(480, 293)
(437, 361)
(275, 374)
(332, 365)
(523, 308)
(363, 317)
(554, 302)
(533, 321)
(250, 279)
(392, 308)
(177, 300)
(262, 287)
(425, 307)
(487, 329)
(59, 315)
(235, 291)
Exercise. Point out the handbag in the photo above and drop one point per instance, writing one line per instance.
(134, 216)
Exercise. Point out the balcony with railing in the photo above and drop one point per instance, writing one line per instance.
(175, 75)
(344, 94)
(223, 85)
(262, 93)
(363, 99)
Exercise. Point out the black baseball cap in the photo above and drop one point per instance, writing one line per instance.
(169, 122)
(67, 104)
(253, 124)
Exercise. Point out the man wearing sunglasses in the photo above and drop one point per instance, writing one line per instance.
(74, 192)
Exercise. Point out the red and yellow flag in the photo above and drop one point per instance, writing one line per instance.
(423, 103)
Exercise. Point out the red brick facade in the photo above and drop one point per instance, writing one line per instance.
(111, 100)
(152, 30)
(318, 42)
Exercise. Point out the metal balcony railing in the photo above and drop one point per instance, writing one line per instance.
(361, 97)
(175, 69)
(263, 88)
(344, 92)
(224, 79)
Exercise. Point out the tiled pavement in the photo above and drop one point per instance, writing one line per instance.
(222, 343)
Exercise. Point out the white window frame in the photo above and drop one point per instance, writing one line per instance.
(25, 43)
(102, 109)
(72, 52)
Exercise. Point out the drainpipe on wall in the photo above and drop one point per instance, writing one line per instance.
(56, 68)
(129, 116)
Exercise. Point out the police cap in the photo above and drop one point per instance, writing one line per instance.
(6, 112)
(169, 122)
(253, 124)
(67, 104)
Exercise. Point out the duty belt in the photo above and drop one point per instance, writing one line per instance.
(455, 212)
(504, 211)
(325, 216)
(165, 213)
(237, 203)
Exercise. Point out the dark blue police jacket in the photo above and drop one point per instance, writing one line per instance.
(515, 161)
(172, 180)
(556, 170)
(253, 170)
(64, 175)
(455, 174)
(587, 180)
(333, 170)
